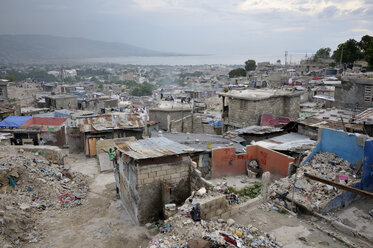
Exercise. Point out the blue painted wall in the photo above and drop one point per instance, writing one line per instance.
(346, 146)
(341, 143)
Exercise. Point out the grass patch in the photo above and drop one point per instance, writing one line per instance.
(248, 191)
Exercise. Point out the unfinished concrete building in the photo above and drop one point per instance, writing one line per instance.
(3, 91)
(245, 107)
(354, 92)
(61, 102)
(167, 113)
(152, 172)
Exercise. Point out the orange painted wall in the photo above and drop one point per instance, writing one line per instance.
(225, 161)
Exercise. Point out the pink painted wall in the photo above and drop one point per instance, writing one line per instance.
(225, 161)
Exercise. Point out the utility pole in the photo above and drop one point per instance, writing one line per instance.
(340, 60)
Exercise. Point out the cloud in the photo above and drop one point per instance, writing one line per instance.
(288, 29)
(194, 26)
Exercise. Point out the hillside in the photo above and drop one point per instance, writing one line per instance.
(45, 48)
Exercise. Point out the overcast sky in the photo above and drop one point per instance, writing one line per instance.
(260, 29)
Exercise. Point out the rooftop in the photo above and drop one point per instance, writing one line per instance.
(44, 121)
(152, 148)
(287, 142)
(60, 96)
(258, 94)
(200, 141)
(110, 122)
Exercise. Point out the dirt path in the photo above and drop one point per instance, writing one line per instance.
(288, 230)
(100, 222)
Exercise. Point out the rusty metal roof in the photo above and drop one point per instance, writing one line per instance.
(259, 130)
(110, 122)
(153, 148)
(365, 116)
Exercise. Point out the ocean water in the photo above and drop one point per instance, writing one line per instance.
(195, 60)
(173, 60)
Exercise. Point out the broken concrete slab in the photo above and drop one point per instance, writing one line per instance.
(105, 163)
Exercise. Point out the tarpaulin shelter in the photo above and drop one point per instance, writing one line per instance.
(14, 121)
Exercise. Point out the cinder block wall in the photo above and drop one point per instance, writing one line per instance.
(244, 113)
(149, 180)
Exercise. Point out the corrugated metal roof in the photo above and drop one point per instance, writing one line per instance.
(44, 121)
(365, 116)
(110, 122)
(252, 130)
(152, 148)
(287, 142)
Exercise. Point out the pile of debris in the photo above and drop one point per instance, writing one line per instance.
(30, 184)
(312, 194)
(181, 231)
(188, 227)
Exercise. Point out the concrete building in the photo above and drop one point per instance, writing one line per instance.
(3, 91)
(61, 102)
(354, 92)
(169, 111)
(245, 107)
(151, 173)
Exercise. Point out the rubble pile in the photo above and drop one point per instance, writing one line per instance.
(189, 227)
(30, 184)
(181, 231)
(312, 194)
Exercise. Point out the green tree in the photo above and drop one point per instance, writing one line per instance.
(333, 64)
(351, 53)
(10, 77)
(101, 86)
(278, 61)
(250, 65)
(142, 90)
(366, 46)
(323, 53)
(239, 72)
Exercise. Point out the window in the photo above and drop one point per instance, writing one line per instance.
(1, 91)
(368, 94)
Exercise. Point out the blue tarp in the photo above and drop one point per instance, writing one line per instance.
(14, 121)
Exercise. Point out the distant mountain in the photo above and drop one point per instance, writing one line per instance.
(46, 48)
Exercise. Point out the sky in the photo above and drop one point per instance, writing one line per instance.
(262, 30)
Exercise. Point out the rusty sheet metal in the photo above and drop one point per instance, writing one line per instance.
(365, 116)
(252, 130)
(153, 148)
(110, 122)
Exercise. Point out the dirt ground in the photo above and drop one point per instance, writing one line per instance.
(289, 231)
(100, 222)
(357, 216)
